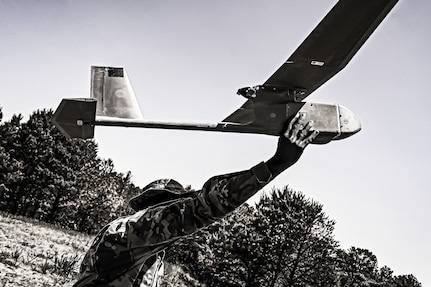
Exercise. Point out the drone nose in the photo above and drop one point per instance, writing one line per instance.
(334, 122)
(349, 123)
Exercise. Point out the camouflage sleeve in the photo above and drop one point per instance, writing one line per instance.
(219, 196)
(119, 250)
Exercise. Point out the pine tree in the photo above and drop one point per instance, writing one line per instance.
(300, 249)
(285, 241)
(11, 164)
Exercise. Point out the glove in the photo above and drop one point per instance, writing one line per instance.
(291, 144)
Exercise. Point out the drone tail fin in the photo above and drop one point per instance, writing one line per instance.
(114, 93)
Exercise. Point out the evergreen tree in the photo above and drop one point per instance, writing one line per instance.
(406, 281)
(286, 241)
(211, 255)
(357, 267)
(102, 196)
(299, 247)
(11, 164)
(52, 164)
(49, 177)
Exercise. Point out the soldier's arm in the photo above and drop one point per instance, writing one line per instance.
(221, 194)
(121, 245)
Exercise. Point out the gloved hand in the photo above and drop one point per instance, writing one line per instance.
(291, 144)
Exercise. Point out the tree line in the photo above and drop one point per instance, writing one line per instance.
(62, 181)
(285, 240)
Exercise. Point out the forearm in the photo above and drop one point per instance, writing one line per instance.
(225, 193)
(277, 165)
(219, 196)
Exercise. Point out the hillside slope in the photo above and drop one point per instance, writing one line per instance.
(37, 254)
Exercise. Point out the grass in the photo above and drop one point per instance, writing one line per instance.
(38, 254)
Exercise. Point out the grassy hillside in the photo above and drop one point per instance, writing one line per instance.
(37, 254)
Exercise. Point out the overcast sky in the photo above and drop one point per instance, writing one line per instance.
(186, 60)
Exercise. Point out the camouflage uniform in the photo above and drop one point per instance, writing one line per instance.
(127, 252)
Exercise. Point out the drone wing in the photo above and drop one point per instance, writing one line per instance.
(331, 45)
(326, 51)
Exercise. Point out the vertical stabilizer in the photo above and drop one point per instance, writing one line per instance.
(114, 94)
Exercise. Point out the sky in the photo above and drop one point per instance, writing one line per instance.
(186, 60)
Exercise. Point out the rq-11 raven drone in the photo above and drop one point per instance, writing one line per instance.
(326, 51)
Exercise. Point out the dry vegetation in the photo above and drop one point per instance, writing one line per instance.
(38, 254)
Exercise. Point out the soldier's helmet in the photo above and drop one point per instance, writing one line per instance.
(159, 191)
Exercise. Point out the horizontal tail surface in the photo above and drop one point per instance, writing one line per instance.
(73, 118)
